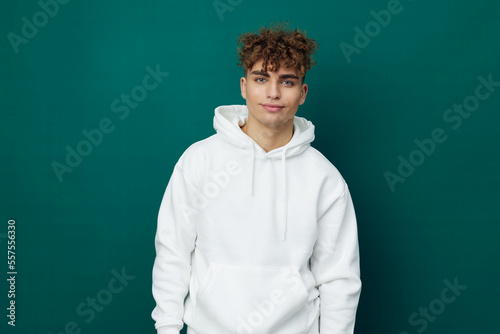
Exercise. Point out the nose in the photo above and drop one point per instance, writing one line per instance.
(273, 91)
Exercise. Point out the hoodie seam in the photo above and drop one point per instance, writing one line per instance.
(334, 201)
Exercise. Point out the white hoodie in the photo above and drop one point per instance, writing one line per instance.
(250, 242)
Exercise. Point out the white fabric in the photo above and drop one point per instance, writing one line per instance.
(259, 242)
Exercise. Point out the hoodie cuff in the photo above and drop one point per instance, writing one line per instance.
(168, 330)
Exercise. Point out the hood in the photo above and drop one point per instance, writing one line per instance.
(227, 122)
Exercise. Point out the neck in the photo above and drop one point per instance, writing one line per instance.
(269, 138)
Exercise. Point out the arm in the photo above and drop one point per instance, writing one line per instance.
(335, 264)
(174, 243)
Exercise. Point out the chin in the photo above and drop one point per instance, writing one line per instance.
(277, 121)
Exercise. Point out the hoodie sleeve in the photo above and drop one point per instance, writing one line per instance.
(335, 264)
(174, 243)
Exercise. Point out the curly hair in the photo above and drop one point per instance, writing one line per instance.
(277, 46)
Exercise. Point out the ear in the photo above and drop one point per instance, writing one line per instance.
(243, 87)
(303, 94)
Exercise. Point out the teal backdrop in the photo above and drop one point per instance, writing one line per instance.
(100, 98)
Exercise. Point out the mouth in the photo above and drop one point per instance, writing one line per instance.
(272, 107)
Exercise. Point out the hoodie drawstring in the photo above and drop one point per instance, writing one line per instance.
(228, 121)
(284, 194)
(283, 220)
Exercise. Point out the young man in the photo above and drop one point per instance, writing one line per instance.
(256, 230)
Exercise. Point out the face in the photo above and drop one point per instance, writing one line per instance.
(272, 98)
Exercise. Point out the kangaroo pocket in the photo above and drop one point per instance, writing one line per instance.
(250, 300)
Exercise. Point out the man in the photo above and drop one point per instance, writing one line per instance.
(256, 230)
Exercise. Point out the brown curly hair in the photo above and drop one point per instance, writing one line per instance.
(277, 46)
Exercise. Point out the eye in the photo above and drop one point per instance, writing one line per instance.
(260, 80)
(288, 83)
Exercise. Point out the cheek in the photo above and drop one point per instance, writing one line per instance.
(252, 93)
(295, 96)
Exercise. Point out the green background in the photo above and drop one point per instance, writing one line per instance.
(441, 224)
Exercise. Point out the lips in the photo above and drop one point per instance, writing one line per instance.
(272, 107)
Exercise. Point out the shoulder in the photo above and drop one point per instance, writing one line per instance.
(331, 178)
(318, 159)
(201, 149)
(194, 159)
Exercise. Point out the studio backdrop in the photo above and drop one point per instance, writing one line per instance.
(98, 100)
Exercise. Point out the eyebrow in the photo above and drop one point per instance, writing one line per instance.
(283, 76)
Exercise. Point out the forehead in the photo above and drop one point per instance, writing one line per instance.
(257, 66)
